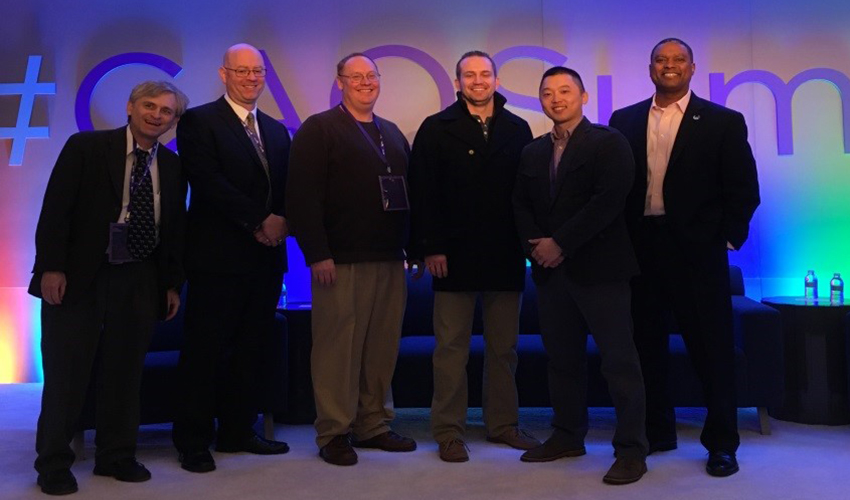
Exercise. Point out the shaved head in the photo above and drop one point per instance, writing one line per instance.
(234, 50)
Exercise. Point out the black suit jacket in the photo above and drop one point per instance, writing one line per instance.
(229, 188)
(711, 185)
(460, 192)
(84, 196)
(585, 216)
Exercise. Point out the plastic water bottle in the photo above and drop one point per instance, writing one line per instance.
(811, 290)
(836, 289)
(281, 301)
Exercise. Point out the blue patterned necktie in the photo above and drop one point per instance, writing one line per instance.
(141, 236)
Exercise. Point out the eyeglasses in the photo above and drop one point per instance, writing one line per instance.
(357, 78)
(243, 72)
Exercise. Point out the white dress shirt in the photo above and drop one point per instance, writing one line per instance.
(243, 113)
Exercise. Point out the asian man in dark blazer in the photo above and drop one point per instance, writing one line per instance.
(568, 203)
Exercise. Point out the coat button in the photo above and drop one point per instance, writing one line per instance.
(471, 152)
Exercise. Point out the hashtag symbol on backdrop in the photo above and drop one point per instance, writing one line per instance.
(27, 89)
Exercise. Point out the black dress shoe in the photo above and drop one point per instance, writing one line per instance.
(721, 464)
(339, 451)
(551, 450)
(197, 461)
(124, 469)
(57, 482)
(254, 444)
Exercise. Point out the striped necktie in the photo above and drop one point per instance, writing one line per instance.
(261, 151)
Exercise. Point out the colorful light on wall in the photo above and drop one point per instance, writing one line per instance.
(20, 337)
(764, 61)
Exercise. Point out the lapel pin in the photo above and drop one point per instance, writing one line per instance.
(696, 117)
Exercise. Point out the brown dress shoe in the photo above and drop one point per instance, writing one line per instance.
(551, 450)
(388, 441)
(516, 438)
(625, 471)
(454, 450)
(339, 451)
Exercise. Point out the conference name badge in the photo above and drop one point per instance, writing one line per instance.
(118, 251)
(393, 192)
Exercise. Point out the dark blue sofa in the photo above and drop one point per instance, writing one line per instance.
(758, 356)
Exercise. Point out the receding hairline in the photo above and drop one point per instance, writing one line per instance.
(344, 61)
(239, 47)
(475, 53)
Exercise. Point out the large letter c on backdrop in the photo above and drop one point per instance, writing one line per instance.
(82, 107)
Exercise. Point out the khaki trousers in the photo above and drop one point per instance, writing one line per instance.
(453, 314)
(356, 330)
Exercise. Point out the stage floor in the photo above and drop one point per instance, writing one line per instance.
(795, 462)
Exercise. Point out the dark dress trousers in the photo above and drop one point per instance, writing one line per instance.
(710, 194)
(588, 291)
(103, 327)
(233, 281)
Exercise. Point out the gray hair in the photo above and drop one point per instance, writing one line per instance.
(153, 89)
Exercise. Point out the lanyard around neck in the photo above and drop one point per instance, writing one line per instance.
(380, 149)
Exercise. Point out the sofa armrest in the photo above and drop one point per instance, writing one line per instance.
(758, 333)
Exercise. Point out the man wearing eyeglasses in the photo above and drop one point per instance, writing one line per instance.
(347, 203)
(235, 158)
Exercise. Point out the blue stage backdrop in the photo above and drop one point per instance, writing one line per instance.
(69, 66)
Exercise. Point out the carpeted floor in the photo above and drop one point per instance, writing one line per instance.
(795, 462)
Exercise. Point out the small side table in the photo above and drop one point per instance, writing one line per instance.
(300, 407)
(815, 361)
